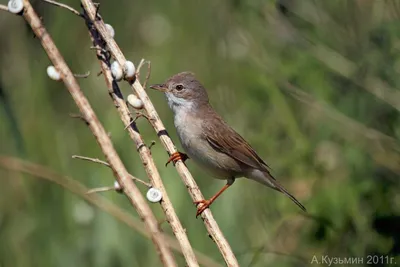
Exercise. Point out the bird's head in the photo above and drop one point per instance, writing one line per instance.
(183, 90)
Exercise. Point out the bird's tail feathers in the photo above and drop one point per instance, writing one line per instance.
(268, 180)
(281, 189)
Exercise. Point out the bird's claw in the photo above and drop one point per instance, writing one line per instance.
(204, 205)
(177, 156)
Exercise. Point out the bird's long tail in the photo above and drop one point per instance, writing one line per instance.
(268, 180)
(281, 189)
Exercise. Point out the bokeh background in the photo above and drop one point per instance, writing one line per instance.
(312, 85)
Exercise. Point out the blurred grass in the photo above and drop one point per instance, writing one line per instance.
(333, 142)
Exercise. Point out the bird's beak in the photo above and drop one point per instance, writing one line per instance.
(160, 87)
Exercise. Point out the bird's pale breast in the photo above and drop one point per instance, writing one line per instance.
(191, 136)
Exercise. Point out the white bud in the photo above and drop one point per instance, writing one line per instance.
(154, 195)
(110, 30)
(129, 69)
(134, 101)
(116, 71)
(53, 73)
(117, 186)
(15, 6)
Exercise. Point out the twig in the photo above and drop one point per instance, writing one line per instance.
(138, 115)
(98, 48)
(96, 15)
(108, 165)
(142, 62)
(119, 170)
(209, 221)
(92, 160)
(36, 170)
(152, 144)
(79, 116)
(148, 74)
(63, 6)
(130, 125)
(100, 189)
(84, 75)
(4, 8)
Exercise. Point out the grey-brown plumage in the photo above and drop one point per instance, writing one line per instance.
(209, 140)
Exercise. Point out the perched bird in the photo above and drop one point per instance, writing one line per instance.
(210, 141)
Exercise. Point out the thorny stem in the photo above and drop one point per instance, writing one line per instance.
(119, 170)
(209, 221)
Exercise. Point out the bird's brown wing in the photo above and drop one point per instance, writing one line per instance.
(228, 141)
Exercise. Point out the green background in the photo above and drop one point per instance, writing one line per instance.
(312, 85)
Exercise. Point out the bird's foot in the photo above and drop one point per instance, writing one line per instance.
(204, 205)
(177, 156)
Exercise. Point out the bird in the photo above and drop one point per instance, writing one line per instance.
(209, 141)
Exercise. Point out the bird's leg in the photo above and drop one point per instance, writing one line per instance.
(177, 156)
(206, 203)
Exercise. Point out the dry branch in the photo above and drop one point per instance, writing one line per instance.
(154, 119)
(119, 170)
(63, 6)
(108, 165)
(18, 165)
(143, 150)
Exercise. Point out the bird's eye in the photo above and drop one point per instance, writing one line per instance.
(179, 87)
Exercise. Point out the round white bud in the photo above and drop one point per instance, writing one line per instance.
(129, 69)
(15, 6)
(117, 186)
(53, 73)
(110, 30)
(134, 101)
(116, 71)
(154, 195)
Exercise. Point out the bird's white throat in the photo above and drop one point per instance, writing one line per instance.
(178, 104)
